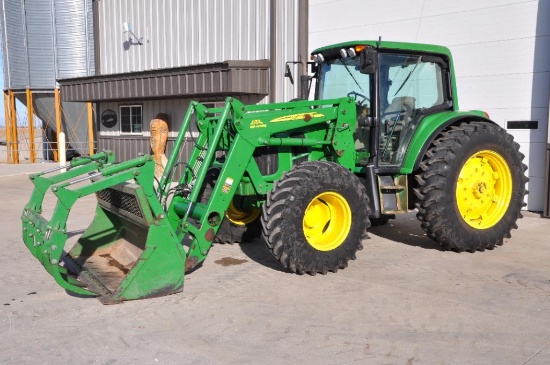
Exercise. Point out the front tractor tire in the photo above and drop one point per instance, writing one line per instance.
(315, 218)
(471, 187)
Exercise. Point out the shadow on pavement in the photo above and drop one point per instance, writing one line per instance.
(405, 229)
(258, 252)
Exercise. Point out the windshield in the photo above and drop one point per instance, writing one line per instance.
(341, 77)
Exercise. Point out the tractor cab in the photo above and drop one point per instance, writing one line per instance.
(395, 85)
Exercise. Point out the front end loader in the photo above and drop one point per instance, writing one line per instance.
(145, 236)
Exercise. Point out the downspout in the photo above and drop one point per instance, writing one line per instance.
(546, 211)
(273, 69)
(303, 36)
(97, 48)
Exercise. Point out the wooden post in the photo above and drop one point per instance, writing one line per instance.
(30, 112)
(13, 126)
(90, 127)
(57, 123)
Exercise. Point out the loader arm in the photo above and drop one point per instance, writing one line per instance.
(239, 130)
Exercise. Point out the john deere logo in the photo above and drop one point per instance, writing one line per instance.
(300, 116)
(256, 123)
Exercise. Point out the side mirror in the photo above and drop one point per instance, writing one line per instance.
(368, 61)
(314, 67)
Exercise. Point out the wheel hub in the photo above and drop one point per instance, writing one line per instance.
(327, 221)
(484, 189)
(239, 217)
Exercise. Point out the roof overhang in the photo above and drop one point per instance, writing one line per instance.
(216, 79)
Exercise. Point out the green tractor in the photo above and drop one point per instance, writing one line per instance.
(384, 135)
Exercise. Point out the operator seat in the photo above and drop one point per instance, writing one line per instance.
(400, 111)
(395, 118)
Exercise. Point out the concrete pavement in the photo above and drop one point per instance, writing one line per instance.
(403, 301)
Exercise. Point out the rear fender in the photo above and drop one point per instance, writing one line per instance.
(428, 130)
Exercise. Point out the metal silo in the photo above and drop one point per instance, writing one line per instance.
(44, 41)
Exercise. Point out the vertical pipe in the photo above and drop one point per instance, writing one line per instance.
(90, 127)
(273, 73)
(30, 112)
(14, 137)
(546, 211)
(62, 148)
(8, 125)
(57, 122)
(303, 34)
(97, 48)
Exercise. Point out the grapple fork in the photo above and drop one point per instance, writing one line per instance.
(129, 251)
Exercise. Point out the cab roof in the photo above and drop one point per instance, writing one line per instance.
(389, 45)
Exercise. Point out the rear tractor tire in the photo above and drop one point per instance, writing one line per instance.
(315, 218)
(471, 187)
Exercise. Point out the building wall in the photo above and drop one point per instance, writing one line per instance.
(181, 33)
(501, 50)
(128, 146)
(177, 33)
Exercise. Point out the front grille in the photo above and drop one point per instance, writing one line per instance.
(120, 200)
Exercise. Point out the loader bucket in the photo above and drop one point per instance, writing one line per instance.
(129, 251)
(126, 253)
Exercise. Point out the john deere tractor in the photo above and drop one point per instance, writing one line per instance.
(384, 135)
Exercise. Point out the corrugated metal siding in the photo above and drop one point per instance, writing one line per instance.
(40, 38)
(15, 47)
(90, 38)
(181, 33)
(227, 78)
(73, 25)
(31, 30)
(287, 49)
(2, 40)
(129, 146)
(126, 148)
(174, 108)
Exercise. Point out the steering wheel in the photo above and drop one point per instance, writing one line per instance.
(360, 99)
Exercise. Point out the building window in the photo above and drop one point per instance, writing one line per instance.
(131, 120)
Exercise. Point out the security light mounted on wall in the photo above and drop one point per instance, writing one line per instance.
(127, 28)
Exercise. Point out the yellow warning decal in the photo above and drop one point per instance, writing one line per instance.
(256, 123)
(300, 116)
(227, 185)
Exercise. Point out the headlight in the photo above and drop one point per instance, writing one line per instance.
(318, 58)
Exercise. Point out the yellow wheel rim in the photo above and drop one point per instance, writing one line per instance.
(484, 189)
(327, 221)
(241, 218)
